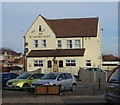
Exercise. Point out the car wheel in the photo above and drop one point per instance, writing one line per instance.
(73, 87)
(25, 87)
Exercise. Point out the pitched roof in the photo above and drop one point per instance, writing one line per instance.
(56, 53)
(9, 51)
(109, 57)
(79, 27)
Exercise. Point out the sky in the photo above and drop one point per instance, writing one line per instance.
(17, 17)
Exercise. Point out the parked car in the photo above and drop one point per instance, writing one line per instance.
(65, 80)
(113, 88)
(4, 77)
(24, 80)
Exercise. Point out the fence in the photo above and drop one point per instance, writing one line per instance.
(93, 76)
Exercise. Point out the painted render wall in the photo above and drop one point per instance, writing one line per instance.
(44, 69)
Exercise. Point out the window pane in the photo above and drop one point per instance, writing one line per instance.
(38, 63)
(43, 43)
(72, 60)
(61, 63)
(69, 43)
(62, 76)
(115, 76)
(70, 63)
(49, 64)
(35, 43)
(59, 43)
(88, 62)
(68, 76)
(40, 28)
(77, 43)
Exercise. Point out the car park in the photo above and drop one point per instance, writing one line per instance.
(23, 81)
(4, 77)
(65, 80)
(113, 88)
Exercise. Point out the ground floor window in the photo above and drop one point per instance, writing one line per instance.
(88, 62)
(60, 64)
(49, 64)
(70, 63)
(38, 63)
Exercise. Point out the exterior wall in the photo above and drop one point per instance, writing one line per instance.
(36, 35)
(93, 51)
(44, 69)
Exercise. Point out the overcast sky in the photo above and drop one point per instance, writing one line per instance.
(18, 17)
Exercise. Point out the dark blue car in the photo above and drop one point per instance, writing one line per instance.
(4, 77)
(113, 89)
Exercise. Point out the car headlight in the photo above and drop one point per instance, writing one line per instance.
(48, 83)
(16, 83)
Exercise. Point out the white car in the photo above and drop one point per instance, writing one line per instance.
(65, 80)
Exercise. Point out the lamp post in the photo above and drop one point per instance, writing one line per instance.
(24, 54)
(100, 58)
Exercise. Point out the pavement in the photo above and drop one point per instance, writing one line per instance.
(84, 93)
(26, 97)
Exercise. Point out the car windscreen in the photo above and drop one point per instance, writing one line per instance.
(3, 76)
(50, 76)
(23, 76)
(115, 77)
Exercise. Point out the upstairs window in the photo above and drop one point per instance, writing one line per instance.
(88, 62)
(36, 43)
(40, 28)
(59, 44)
(43, 44)
(69, 43)
(77, 43)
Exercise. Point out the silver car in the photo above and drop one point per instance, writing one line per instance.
(65, 80)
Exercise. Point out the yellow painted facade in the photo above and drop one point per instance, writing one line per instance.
(91, 45)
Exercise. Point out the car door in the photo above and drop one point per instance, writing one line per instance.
(69, 80)
(61, 82)
(32, 78)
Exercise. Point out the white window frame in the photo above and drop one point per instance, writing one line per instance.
(36, 43)
(77, 44)
(38, 63)
(69, 43)
(70, 63)
(59, 43)
(43, 43)
(88, 63)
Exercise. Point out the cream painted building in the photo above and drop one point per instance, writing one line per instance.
(63, 45)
